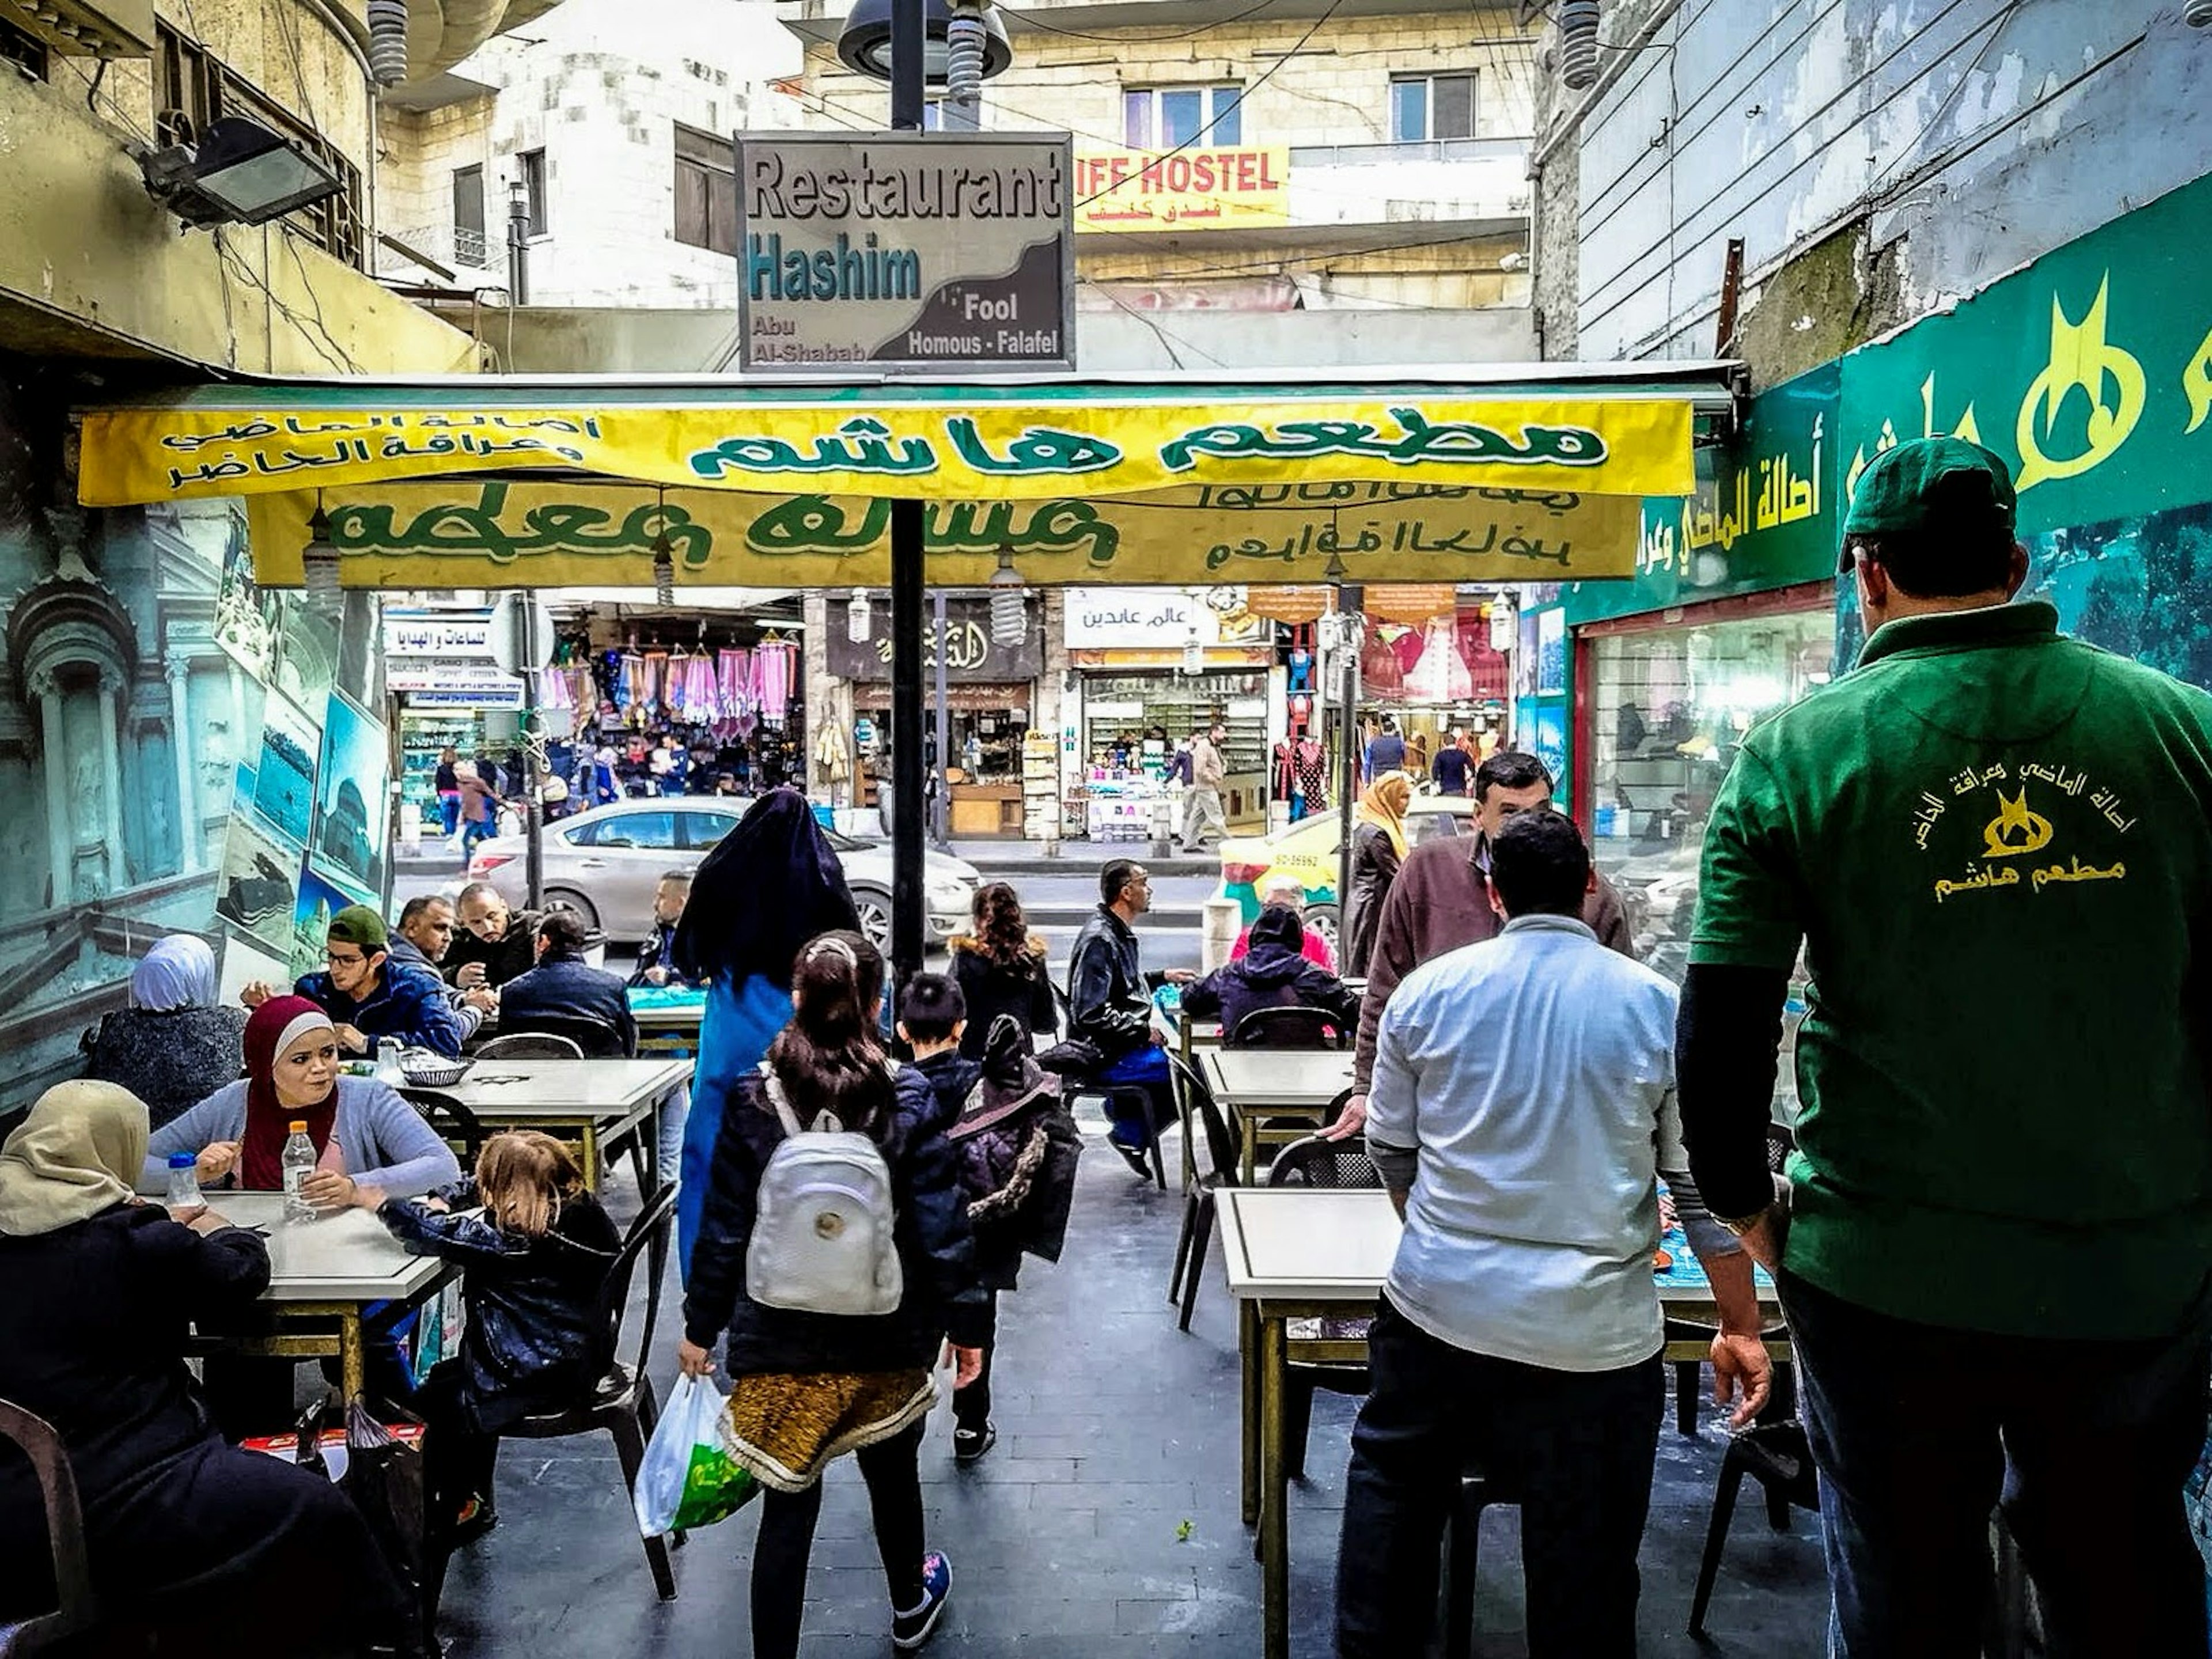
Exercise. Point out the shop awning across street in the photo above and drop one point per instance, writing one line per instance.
(1494, 473)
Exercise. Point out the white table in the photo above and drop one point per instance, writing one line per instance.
(326, 1271)
(598, 1103)
(1303, 1252)
(1252, 1085)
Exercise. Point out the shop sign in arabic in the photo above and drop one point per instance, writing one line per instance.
(1184, 190)
(437, 634)
(501, 534)
(2090, 372)
(971, 655)
(985, 451)
(1157, 619)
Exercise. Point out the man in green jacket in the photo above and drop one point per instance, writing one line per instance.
(1995, 846)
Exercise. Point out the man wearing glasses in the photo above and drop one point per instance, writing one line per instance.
(368, 996)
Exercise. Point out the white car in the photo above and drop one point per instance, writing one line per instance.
(606, 863)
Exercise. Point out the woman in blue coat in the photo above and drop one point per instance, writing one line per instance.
(771, 884)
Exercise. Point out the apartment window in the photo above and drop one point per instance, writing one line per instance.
(706, 190)
(1163, 118)
(25, 51)
(530, 165)
(468, 246)
(193, 87)
(1426, 107)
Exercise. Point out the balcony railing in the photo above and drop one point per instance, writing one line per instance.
(1432, 149)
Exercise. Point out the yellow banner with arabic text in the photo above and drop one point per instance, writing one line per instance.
(478, 533)
(1010, 450)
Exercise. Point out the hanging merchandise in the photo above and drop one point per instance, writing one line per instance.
(1440, 674)
(832, 760)
(1310, 765)
(772, 667)
(1380, 672)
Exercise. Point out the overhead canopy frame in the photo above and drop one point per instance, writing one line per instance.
(1505, 473)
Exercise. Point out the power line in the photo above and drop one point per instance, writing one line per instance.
(1034, 21)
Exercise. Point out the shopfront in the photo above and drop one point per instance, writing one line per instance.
(1155, 667)
(990, 689)
(447, 693)
(1430, 663)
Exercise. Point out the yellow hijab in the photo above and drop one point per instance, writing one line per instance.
(1383, 804)
(78, 1152)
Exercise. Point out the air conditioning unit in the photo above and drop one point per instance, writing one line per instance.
(86, 29)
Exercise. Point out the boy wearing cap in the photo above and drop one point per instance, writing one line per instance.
(1994, 845)
(368, 996)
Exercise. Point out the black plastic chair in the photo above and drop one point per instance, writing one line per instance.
(455, 1123)
(1287, 1028)
(594, 1039)
(1199, 1106)
(624, 1403)
(1077, 1085)
(530, 1045)
(76, 1611)
(1773, 1451)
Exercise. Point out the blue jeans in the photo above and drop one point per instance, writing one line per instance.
(1920, 1431)
(1147, 1067)
(449, 813)
(1576, 1447)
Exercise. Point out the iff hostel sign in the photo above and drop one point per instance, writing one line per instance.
(905, 251)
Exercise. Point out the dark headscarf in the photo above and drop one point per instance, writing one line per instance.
(771, 885)
(1276, 947)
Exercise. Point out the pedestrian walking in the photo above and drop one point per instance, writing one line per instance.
(1000, 967)
(1522, 1104)
(809, 1386)
(1991, 843)
(1202, 815)
(1378, 850)
(448, 783)
(1386, 749)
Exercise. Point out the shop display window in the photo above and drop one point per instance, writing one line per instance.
(1667, 710)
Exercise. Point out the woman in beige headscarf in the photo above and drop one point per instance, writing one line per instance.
(103, 1288)
(1378, 847)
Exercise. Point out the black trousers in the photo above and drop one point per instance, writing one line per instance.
(1576, 1448)
(971, 1406)
(892, 1469)
(459, 1462)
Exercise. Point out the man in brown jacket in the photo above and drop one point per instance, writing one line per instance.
(1440, 901)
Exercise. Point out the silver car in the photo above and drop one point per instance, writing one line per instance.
(606, 863)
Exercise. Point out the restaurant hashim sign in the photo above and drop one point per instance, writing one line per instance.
(905, 251)
(1188, 189)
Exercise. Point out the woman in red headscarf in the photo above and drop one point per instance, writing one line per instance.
(364, 1134)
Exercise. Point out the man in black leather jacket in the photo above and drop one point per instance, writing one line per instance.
(1109, 999)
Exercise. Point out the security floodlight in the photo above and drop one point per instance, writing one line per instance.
(864, 44)
(240, 173)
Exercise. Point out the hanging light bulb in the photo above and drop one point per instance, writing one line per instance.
(1193, 654)
(318, 559)
(856, 617)
(1333, 571)
(1010, 616)
(664, 569)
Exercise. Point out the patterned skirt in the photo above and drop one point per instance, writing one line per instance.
(789, 1427)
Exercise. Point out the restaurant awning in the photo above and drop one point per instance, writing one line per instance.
(1494, 473)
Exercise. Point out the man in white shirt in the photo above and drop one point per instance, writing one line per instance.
(1522, 1104)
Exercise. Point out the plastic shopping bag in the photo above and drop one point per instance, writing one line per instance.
(690, 1477)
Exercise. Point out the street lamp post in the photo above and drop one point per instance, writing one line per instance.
(906, 575)
(518, 235)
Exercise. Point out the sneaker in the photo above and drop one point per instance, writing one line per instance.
(969, 1445)
(1132, 1156)
(910, 1630)
(478, 1517)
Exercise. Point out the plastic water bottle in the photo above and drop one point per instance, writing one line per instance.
(184, 1183)
(388, 1070)
(299, 1164)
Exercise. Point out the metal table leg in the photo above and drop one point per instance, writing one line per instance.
(1274, 1492)
(353, 1364)
(1247, 1355)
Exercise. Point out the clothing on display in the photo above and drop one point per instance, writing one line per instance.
(1440, 674)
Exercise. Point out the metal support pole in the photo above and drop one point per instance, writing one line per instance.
(1348, 601)
(518, 234)
(533, 804)
(907, 578)
(940, 810)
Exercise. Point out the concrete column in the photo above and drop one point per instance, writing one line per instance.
(111, 761)
(61, 838)
(189, 829)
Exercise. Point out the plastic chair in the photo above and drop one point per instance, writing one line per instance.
(1773, 1451)
(1076, 1086)
(593, 1039)
(1316, 1162)
(530, 1045)
(1286, 1028)
(455, 1123)
(1196, 1102)
(624, 1403)
(77, 1611)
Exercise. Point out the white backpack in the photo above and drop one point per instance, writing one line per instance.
(822, 1232)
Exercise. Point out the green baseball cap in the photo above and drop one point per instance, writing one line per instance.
(1924, 478)
(359, 925)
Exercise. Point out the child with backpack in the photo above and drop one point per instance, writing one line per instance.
(1017, 1147)
(833, 1249)
(537, 1258)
